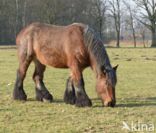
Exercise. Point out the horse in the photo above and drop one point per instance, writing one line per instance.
(75, 46)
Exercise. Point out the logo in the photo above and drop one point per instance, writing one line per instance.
(138, 126)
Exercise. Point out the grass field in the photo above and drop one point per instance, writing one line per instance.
(136, 97)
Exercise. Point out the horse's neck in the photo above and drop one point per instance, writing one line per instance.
(96, 49)
(101, 57)
(99, 64)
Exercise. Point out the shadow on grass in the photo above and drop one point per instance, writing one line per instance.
(54, 101)
(5, 109)
(130, 105)
(127, 102)
(137, 102)
(58, 101)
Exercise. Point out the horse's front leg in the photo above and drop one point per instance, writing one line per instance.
(69, 94)
(42, 93)
(82, 99)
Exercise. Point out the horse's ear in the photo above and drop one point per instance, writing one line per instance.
(115, 68)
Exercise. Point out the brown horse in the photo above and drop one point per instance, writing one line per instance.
(76, 47)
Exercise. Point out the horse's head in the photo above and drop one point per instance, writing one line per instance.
(106, 83)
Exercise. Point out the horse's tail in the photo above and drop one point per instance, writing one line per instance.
(24, 43)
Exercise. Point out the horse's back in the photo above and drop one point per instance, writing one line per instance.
(54, 45)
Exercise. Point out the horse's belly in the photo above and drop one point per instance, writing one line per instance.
(53, 59)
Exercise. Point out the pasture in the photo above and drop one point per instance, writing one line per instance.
(135, 92)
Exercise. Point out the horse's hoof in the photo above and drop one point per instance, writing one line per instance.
(70, 101)
(83, 102)
(19, 94)
(47, 98)
(69, 97)
(43, 96)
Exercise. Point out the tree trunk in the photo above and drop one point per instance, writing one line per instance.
(134, 38)
(118, 40)
(17, 14)
(132, 25)
(100, 26)
(153, 39)
(143, 40)
(24, 14)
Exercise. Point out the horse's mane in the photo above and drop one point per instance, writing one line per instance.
(95, 46)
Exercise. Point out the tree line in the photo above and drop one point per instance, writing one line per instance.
(111, 19)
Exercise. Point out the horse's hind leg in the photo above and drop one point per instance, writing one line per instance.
(69, 94)
(42, 94)
(18, 93)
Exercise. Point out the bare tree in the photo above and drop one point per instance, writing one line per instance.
(20, 20)
(143, 32)
(24, 13)
(17, 14)
(100, 7)
(148, 12)
(131, 20)
(116, 14)
(50, 12)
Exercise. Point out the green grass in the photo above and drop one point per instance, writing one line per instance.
(136, 97)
